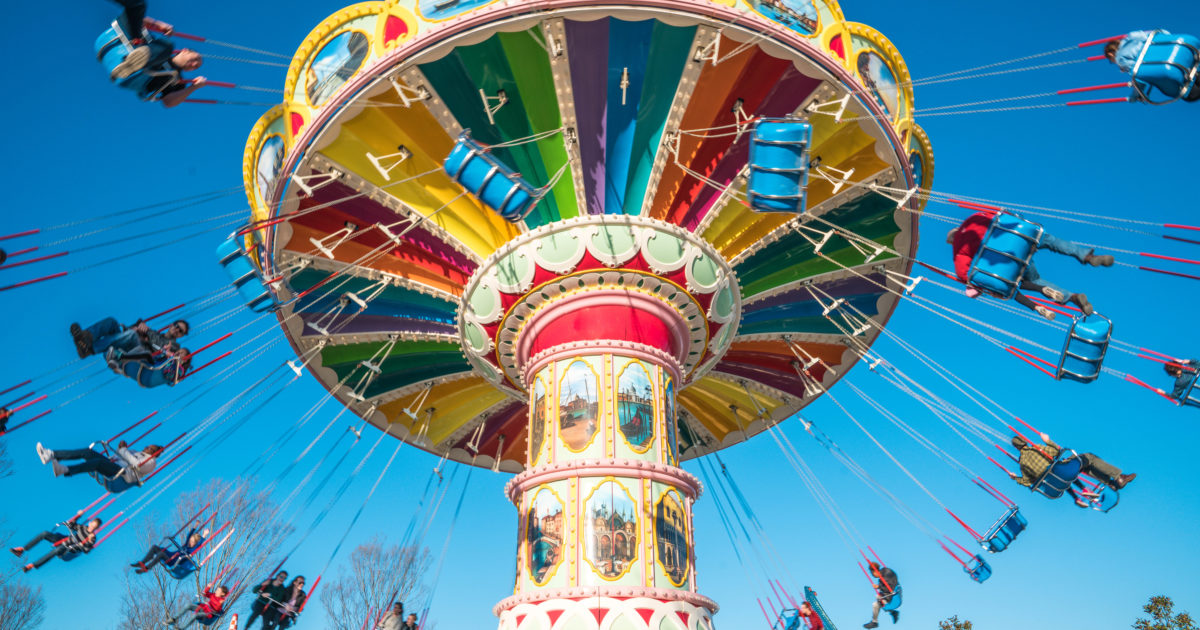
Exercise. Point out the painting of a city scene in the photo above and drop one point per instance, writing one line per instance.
(537, 413)
(635, 405)
(335, 64)
(670, 527)
(270, 162)
(878, 77)
(578, 405)
(544, 534)
(798, 15)
(611, 529)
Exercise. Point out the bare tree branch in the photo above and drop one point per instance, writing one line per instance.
(377, 575)
(244, 536)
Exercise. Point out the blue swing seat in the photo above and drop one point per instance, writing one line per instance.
(245, 275)
(1085, 348)
(1169, 64)
(492, 182)
(182, 567)
(1004, 255)
(1059, 476)
(1000, 535)
(112, 46)
(789, 619)
(978, 569)
(896, 600)
(779, 165)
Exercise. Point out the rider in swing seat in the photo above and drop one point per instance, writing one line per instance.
(151, 370)
(1184, 373)
(209, 608)
(885, 590)
(130, 469)
(182, 558)
(1126, 52)
(1035, 460)
(79, 539)
(967, 238)
(137, 338)
(150, 66)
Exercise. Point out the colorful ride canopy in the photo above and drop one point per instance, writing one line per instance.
(623, 109)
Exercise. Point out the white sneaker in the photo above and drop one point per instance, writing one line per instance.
(60, 469)
(1044, 312)
(44, 453)
(1054, 294)
(134, 61)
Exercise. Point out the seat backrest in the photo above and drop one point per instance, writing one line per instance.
(1059, 476)
(244, 275)
(778, 165)
(897, 599)
(1007, 248)
(1085, 348)
(978, 569)
(491, 181)
(1168, 62)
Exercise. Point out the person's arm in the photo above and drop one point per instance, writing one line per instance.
(1048, 442)
(175, 97)
(158, 26)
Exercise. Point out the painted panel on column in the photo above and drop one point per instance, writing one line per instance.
(544, 535)
(610, 530)
(578, 405)
(672, 419)
(635, 406)
(537, 419)
(670, 529)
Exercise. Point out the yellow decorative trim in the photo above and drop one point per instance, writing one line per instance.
(687, 538)
(640, 525)
(558, 402)
(250, 157)
(920, 143)
(647, 515)
(616, 383)
(346, 79)
(572, 537)
(892, 56)
(610, 418)
(525, 534)
(318, 35)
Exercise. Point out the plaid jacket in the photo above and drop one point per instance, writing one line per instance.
(1033, 463)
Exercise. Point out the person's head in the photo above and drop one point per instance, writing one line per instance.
(950, 236)
(281, 577)
(94, 524)
(1019, 442)
(398, 608)
(412, 617)
(153, 450)
(1173, 368)
(221, 591)
(298, 583)
(805, 608)
(874, 566)
(196, 538)
(187, 59)
(184, 357)
(178, 328)
(1110, 50)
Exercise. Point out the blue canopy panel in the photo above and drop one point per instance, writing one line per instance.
(978, 569)
(1169, 64)
(1085, 348)
(1000, 535)
(245, 275)
(810, 596)
(779, 165)
(495, 184)
(1059, 476)
(1004, 255)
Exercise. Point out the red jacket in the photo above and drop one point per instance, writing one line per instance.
(213, 604)
(813, 619)
(967, 241)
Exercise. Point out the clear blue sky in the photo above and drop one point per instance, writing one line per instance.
(77, 147)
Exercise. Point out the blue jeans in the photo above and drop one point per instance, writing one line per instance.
(1032, 280)
(107, 333)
